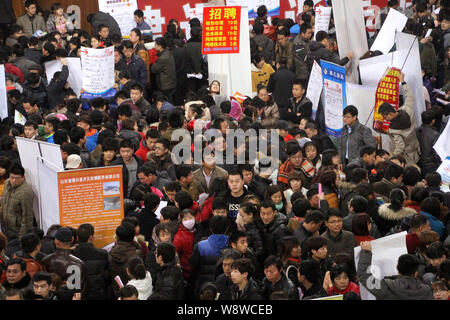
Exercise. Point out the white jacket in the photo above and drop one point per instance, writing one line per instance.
(143, 286)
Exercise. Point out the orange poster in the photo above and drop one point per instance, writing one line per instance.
(92, 196)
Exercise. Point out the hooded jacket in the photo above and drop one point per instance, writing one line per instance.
(404, 141)
(267, 47)
(388, 218)
(261, 76)
(206, 256)
(118, 257)
(143, 286)
(391, 288)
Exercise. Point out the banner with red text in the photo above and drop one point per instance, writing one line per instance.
(387, 91)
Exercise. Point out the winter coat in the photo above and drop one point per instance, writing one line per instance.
(137, 68)
(51, 23)
(301, 65)
(147, 221)
(280, 85)
(274, 232)
(23, 63)
(427, 137)
(184, 243)
(125, 174)
(169, 282)
(31, 25)
(317, 52)
(261, 76)
(435, 224)
(97, 269)
(271, 114)
(106, 19)
(143, 286)
(119, 256)
(17, 208)
(258, 185)
(255, 239)
(39, 94)
(224, 284)
(194, 61)
(287, 52)
(61, 262)
(252, 291)
(391, 288)
(267, 47)
(344, 242)
(201, 181)
(206, 256)
(55, 88)
(165, 71)
(304, 107)
(404, 141)
(388, 218)
(360, 136)
(284, 285)
(384, 187)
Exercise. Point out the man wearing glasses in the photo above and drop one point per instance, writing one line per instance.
(339, 241)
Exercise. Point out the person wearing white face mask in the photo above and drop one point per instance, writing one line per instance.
(184, 240)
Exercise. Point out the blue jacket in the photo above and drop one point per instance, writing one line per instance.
(435, 223)
(91, 142)
(137, 68)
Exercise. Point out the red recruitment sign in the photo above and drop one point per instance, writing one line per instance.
(387, 91)
(221, 30)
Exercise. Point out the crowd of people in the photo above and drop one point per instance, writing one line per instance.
(283, 227)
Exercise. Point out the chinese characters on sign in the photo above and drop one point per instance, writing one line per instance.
(92, 196)
(387, 91)
(334, 96)
(221, 30)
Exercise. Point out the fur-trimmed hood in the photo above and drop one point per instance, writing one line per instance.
(386, 213)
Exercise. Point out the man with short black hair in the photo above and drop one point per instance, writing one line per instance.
(244, 288)
(276, 280)
(17, 212)
(300, 107)
(96, 262)
(284, 48)
(185, 178)
(274, 227)
(301, 51)
(393, 177)
(404, 286)
(205, 175)
(16, 274)
(365, 160)
(309, 227)
(354, 136)
(140, 23)
(137, 96)
(161, 158)
(427, 135)
(339, 240)
(235, 193)
(30, 21)
(135, 64)
(130, 163)
(31, 246)
(42, 282)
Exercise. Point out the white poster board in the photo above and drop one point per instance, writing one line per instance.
(97, 67)
(442, 145)
(75, 78)
(122, 12)
(29, 151)
(48, 183)
(350, 33)
(315, 85)
(3, 94)
(395, 22)
(444, 170)
(385, 254)
(233, 70)
(19, 118)
(322, 22)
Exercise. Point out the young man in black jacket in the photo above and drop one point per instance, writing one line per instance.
(427, 135)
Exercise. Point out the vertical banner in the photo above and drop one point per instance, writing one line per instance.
(221, 32)
(75, 78)
(97, 67)
(3, 95)
(92, 196)
(323, 15)
(334, 97)
(387, 91)
(122, 11)
(315, 86)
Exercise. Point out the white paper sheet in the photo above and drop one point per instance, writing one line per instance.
(3, 95)
(75, 78)
(315, 86)
(97, 69)
(395, 22)
(385, 254)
